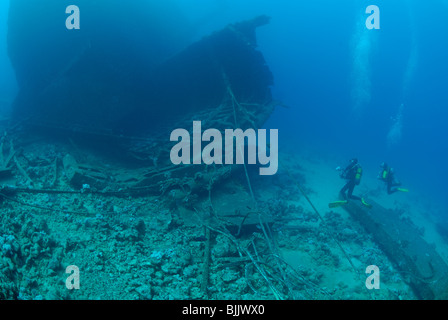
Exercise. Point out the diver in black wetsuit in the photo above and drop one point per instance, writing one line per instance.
(387, 175)
(352, 173)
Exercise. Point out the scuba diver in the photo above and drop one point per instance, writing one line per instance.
(387, 175)
(352, 173)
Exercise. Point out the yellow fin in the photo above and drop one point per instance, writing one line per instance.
(337, 203)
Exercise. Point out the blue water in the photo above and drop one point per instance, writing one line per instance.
(379, 95)
(8, 86)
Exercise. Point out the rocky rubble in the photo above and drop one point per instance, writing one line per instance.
(146, 247)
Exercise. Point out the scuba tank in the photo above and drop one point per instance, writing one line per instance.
(358, 174)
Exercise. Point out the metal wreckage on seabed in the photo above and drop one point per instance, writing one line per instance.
(88, 106)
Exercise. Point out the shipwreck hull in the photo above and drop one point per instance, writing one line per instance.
(135, 79)
(418, 261)
(125, 93)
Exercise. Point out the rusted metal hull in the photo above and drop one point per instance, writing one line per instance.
(417, 260)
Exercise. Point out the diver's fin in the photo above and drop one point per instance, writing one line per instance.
(402, 189)
(337, 203)
(368, 205)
